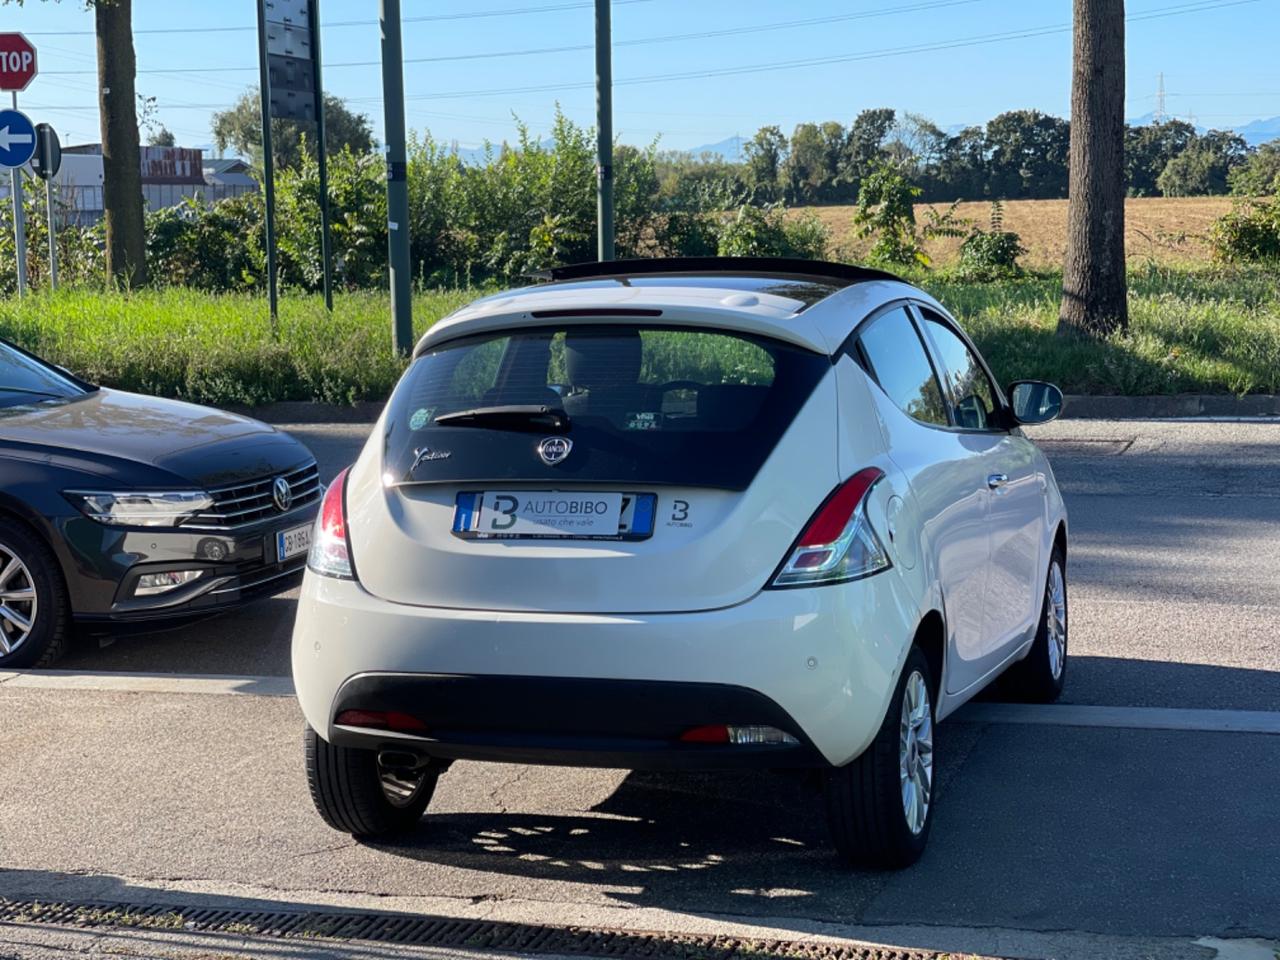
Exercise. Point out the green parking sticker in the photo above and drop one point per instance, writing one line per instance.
(420, 417)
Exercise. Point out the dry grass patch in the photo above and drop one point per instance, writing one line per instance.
(1167, 231)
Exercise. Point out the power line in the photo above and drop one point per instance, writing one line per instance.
(431, 18)
(1197, 6)
(571, 48)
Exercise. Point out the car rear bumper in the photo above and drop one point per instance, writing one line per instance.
(608, 689)
(633, 724)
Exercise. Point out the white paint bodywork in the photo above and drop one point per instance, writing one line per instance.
(692, 605)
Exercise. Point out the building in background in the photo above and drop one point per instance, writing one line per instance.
(169, 176)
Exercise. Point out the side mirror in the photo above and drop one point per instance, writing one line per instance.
(1034, 401)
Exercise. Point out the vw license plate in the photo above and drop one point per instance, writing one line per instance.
(292, 542)
(542, 514)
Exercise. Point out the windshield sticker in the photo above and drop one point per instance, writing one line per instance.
(647, 420)
(420, 417)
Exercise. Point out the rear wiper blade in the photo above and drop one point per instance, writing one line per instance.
(512, 416)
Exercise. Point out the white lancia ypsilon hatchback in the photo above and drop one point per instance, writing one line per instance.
(683, 514)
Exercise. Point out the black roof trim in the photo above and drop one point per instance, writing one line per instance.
(841, 274)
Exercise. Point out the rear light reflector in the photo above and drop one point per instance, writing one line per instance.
(839, 543)
(330, 554)
(381, 720)
(753, 734)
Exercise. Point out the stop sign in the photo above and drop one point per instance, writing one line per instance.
(17, 61)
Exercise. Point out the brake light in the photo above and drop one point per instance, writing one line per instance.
(839, 543)
(381, 720)
(330, 554)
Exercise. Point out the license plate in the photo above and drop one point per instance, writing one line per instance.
(292, 542)
(554, 514)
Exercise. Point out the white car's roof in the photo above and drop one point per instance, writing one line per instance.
(810, 311)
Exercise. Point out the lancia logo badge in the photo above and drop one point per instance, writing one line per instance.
(282, 494)
(554, 449)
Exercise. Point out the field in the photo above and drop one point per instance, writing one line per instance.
(1165, 231)
(1194, 329)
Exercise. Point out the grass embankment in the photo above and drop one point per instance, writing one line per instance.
(1192, 331)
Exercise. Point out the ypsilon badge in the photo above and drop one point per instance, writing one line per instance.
(554, 449)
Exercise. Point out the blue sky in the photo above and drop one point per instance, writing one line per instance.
(1218, 58)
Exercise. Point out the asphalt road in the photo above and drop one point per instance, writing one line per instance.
(1151, 839)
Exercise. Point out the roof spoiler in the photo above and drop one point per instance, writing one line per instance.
(842, 274)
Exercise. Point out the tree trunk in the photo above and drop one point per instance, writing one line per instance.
(121, 156)
(1094, 294)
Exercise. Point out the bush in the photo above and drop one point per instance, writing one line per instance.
(80, 249)
(216, 248)
(1250, 233)
(987, 255)
(767, 232)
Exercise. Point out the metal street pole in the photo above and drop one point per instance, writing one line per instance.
(397, 183)
(604, 132)
(268, 163)
(322, 153)
(19, 221)
(53, 234)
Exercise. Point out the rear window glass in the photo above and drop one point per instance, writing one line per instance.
(640, 404)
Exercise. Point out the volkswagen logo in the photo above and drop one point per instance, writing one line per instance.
(282, 494)
(554, 449)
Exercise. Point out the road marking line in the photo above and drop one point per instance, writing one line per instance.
(1061, 714)
(103, 681)
(1136, 718)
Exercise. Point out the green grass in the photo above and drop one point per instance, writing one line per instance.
(1192, 331)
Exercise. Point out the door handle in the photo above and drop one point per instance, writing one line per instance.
(997, 480)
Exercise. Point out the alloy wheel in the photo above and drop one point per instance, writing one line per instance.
(915, 752)
(17, 602)
(1055, 612)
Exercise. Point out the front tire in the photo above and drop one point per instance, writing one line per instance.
(880, 806)
(1040, 675)
(355, 794)
(34, 610)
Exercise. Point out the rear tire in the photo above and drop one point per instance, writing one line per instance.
(35, 613)
(1040, 675)
(880, 806)
(356, 795)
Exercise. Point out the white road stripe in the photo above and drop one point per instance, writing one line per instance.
(108, 682)
(1139, 718)
(1062, 715)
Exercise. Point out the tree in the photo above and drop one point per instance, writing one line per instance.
(866, 142)
(1260, 174)
(1148, 150)
(1027, 155)
(121, 151)
(766, 153)
(1094, 291)
(163, 137)
(240, 127)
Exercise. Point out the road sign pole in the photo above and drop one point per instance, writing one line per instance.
(53, 235)
(322, 154)
(268, 164)
(19, 221)
(604, 132)
(397, 183)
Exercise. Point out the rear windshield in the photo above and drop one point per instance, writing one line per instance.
(639, 405)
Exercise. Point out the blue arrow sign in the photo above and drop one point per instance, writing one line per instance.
(17, 138)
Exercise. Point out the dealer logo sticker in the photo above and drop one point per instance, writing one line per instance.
(552, 450)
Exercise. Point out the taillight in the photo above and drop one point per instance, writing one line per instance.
(839, 543)
(330, 554)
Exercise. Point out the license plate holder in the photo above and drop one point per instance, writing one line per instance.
(549, 515)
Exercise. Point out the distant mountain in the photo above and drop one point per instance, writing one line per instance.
(1260, 131)
(730, 148)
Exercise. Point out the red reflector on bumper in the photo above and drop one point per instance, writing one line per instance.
(381, 720)
(716, 733)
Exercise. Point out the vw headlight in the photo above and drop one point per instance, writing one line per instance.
(138, 508)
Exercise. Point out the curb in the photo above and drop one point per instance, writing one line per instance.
(1078, 407)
